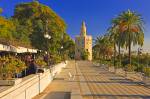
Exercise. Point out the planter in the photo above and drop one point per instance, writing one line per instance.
(10, 82)
(146, 80)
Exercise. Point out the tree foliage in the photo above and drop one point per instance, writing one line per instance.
(39, 19)
(131, 29)
(6, 30)
(30, 22)
(103, 46)
(84, 54)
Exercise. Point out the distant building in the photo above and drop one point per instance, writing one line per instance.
(83, 42)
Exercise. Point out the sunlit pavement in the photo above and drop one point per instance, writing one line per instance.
(105, 85)
(62, 86)
(92, 82)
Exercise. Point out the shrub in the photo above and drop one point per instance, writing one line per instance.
(41, 63)
(55, 59)
(84, 55)
(10, 66)
(129, 67)
(118, 64)
(139, 68)
(146, 71)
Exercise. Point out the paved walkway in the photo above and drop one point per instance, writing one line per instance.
(92, 82)
(62, 86)
(105, 85)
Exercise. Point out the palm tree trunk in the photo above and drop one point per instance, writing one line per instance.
(119, 54)
(129, 49)
(115, 56)
(99, 57)
(129, 55)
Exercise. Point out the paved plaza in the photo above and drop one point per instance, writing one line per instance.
(83, 80)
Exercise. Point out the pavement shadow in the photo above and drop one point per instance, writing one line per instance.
(110, 82)
(58, 95)
(58, 78)
(108, 96)
(67, 68)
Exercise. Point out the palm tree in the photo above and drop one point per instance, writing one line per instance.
(131, 28)
(99, 45)
(115, 37)
(96, 53)
(103, 46)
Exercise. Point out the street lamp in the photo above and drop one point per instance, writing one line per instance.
(139, 52)
(62, 51)
(48, 37)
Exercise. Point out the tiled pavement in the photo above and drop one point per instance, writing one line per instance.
(62, 87)
(92, 82)
(106, 85)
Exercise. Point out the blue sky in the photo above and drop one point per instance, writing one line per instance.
(96, 13)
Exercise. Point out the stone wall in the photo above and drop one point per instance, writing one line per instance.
(31, 85)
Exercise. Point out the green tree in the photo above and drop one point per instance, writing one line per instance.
(131, 27)
(84, 54)
(103, 47)
(39, 20)
(21, 35)
(115, 36)
(6, 29)
(68, 46)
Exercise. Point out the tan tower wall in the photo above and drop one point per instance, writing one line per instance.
(83, 41)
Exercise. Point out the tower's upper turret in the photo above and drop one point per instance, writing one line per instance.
(83, 29)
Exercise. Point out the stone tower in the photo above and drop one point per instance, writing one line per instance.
(83, 42)
(83, 29)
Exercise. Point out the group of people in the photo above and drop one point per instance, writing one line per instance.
(31, 65)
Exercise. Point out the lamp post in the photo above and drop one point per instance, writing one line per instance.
(139, 52)
(48, 37)
(62, 36)
(62, 51)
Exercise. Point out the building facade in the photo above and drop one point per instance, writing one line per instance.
(83, 42)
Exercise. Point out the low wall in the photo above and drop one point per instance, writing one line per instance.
(31, 85)
(57, 68)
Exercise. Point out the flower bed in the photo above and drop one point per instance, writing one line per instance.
(9, 68)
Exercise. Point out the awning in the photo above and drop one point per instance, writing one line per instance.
(18, 49)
